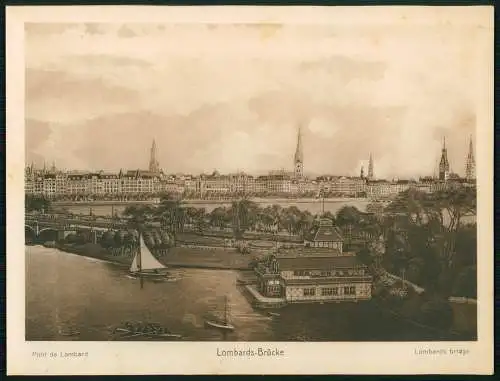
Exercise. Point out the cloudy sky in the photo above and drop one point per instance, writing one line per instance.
(231, 97)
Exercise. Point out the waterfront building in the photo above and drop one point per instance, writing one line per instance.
(314, 277)
(379, 189)
(444, 165)
(170, 186)
(470, 165)
(318, 272)
(279, 183)
(77, 184)
(215, 184)
(110, 182)
(341, 186)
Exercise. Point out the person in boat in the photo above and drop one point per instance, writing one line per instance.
(130, 326)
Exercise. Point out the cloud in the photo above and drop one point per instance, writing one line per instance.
(41, 29)
(232, 96)
(72, 98)
(126, 32)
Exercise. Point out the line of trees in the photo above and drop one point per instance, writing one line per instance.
(192, 195)
(431, 239)
(36, 203)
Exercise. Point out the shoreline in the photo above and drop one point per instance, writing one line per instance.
(94, 251)
(257, 200)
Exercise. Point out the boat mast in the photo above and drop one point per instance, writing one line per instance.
(139, 264)
(226, 311)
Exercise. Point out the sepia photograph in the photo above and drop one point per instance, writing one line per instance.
(252, 181)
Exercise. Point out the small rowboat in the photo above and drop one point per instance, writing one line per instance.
(149, 330)
(148, 334)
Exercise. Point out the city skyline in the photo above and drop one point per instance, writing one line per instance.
(155, 166)
(350, 99)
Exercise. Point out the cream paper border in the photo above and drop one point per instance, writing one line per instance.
(201, 357)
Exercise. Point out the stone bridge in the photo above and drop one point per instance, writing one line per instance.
(56, 230)
(57, 227)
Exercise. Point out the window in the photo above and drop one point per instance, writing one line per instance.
(329, 291)
(273, 290)
(350, 290)
(309, 291)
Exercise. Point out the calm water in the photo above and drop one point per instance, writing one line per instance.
(315, 207)
(66, 291)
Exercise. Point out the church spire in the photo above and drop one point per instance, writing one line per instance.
(370, 168)
(470, 165)
(299, 156)
(153, 161)
(444, 165)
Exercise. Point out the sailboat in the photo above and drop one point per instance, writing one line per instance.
(146, 265)
(223, 322)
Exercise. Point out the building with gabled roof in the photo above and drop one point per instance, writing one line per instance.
(325, 236)
(317, 272)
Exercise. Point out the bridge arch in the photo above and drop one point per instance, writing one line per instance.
(26, 226)
(47, 229)
(48, 234)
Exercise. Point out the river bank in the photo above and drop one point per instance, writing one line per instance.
(258, 200)
(192, 257)
(92, 250)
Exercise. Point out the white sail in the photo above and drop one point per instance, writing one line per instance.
(148, 261)
(134, 268)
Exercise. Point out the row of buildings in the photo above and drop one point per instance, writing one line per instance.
(138, 182)
(130, 183)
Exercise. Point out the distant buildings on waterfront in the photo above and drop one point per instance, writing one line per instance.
(127, 184)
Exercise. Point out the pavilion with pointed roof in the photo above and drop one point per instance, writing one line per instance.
(325, 236)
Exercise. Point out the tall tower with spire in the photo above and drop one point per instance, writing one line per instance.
(370, 168)
(444, 165)
(154, 166)
(299, 157)
(470, 164)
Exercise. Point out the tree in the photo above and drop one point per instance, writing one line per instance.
(108, 239)
(37, 203)
(466, 283)
(244, 214)
(441, 213)
(348, 216)
(119, 241)
(438, 243)
(130, 241)
(218, 216)
(172, 214)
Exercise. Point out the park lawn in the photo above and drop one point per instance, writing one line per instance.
(93, 250)
(195, 239)
(216, 258)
